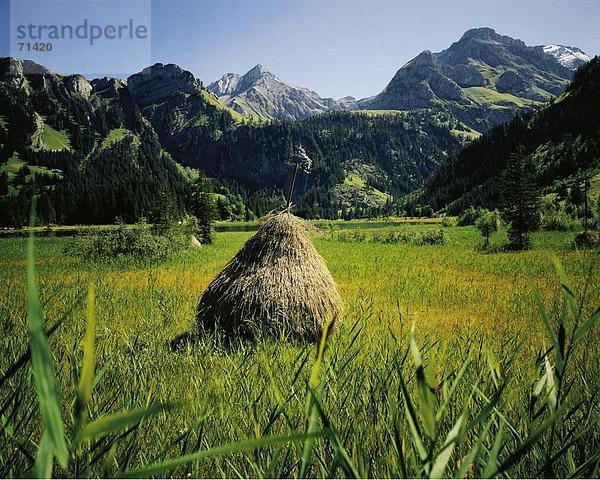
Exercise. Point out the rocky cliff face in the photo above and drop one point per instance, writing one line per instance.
(262, 94)
(226, 85)
(108, 87)
(159, 82)
(482, 79)
(78, 84)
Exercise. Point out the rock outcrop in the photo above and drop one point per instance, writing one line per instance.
(160, 81)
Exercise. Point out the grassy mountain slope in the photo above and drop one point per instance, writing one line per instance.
(85, 150)
(562, 139)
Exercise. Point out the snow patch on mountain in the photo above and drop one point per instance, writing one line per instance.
(570, 57)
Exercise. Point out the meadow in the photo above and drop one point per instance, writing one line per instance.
(450, 362)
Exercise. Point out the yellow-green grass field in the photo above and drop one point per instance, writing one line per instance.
(487, 402)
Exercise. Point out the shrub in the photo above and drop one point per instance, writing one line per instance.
(469, 217)
(411, 237)
(355, 236)
(140, 241)
(449, 222)
(487, 224)
(586, 239)
(559, 221)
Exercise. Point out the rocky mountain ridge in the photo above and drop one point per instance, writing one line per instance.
(262, 94)
(483, 80)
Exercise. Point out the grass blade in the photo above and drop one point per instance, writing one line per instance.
(441, 461)
(413, 421)
(169, 465)
(492, 463)
(588, 325)
(471, 457)
(524, 447)
(84, 390)
(42, 365)
(44, 457)
(23, 359)
(118, 421)
(313, 414)
(425, 391)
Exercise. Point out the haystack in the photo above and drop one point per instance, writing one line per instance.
(276, 283)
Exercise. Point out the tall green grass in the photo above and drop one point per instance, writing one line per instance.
(402, 390)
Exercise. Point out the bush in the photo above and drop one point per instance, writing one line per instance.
(407, 237)
(449, 222)
(487, 224)
(559, 221)
(355, 236)
(140, 241)
(586, 239)
(469, 217)
(432, 237)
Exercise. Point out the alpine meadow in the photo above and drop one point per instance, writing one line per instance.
(245, 279)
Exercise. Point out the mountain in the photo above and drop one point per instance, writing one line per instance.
(261, 94)
(570, 57)
(101, 148)
(360, 160)
(98, 149)
(82, 146)
(482, 80)
(180, 109)
(561, 139)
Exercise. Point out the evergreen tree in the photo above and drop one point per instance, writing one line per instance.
(202, 206)
(520, 200)
(3, 183)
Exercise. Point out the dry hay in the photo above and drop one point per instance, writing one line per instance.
(277, 283)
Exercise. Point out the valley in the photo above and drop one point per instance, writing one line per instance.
(209, 271)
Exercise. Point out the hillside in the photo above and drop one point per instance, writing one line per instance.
(483, 80)
(106, 148)
(562, 139)
(83, 147)
(359, 161)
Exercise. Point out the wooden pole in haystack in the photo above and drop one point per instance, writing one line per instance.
(291, 192)
(300, 160)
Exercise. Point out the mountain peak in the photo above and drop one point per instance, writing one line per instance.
(570, 57)
(477, 79)
(160, 81)
(12, 66)
(425, 58)
(261, 93)
(486, 35)
(483, 33)
(258, 68)
(255, 74)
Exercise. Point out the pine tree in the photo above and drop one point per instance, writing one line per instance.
(520, 200)
(3, 183)
(202, 206)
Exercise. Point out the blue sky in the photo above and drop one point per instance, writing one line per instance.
(334, 47)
